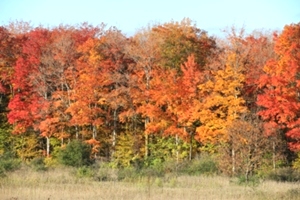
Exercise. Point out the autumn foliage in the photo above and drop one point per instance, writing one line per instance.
(280, 84)
(171, 84)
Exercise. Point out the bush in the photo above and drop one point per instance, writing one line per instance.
(84, 171)
(50, 162)
(102, 175)
(286, 174)
(38, 164)
(8, 163)
(127, 174)
(250, 181)
(105, 172)
(292, 194)
(153, 171)
(75, 154)
(296, 163)
(2, 172)
(203, 165)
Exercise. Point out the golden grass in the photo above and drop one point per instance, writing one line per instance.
(60, 184)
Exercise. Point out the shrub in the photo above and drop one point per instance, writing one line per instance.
(84, 171)
(250, 181)
(50, 162)
(127, 174)
(75, 154)
(292, 194)
(296, 163)
(102, 175)
(38, 164)
(8, 163)
(153, 171)
(204, 165)
(2, 172)
(286, 174)
(104, 172)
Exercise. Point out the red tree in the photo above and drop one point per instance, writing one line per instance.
(280, 100)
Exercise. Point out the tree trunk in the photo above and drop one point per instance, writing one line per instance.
(114, 134)
(94, 137)
(76, 132)
(146, 140)
(177, 152)
(248, 164)
(191, 147)
(148, 75)
(274, 156)
(233, 160)
(47, 146)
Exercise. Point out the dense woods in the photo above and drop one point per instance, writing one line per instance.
(170, 92)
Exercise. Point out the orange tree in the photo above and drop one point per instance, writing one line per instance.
(280, 84)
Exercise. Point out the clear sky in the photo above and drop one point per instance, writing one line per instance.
(131, 15)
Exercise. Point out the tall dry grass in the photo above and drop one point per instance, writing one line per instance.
(61, 184)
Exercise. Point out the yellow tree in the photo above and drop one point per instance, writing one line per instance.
(221, 96)
(222, 102)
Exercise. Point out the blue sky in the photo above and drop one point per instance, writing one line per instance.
(131, 15)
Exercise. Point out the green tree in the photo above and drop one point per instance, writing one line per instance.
(76, 154)
(178, 40)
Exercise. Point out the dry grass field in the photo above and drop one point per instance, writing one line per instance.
(60, 184)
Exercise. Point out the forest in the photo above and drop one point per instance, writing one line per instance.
(170, 93)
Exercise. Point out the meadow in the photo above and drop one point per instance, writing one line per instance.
(64, 184)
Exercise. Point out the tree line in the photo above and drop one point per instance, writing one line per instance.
(169, 92)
